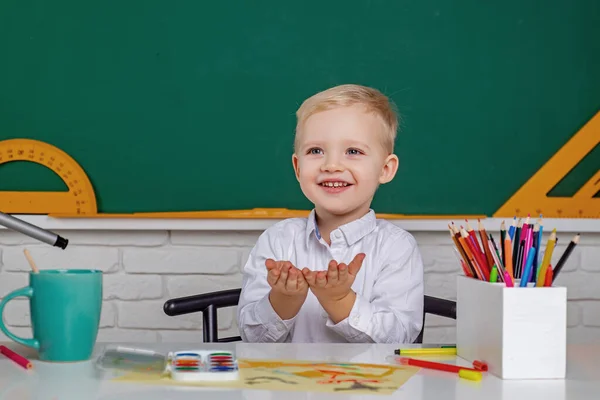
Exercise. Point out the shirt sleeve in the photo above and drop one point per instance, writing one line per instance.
(394, 312)
(257, 320)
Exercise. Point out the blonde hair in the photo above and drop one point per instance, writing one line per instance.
(347, 95)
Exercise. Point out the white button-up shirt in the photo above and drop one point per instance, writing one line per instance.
(389, 285)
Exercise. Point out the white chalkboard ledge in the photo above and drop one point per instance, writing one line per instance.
(582, 225)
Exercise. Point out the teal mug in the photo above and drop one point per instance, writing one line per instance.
(65, 307)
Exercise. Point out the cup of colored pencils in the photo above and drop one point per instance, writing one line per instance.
(515, 258)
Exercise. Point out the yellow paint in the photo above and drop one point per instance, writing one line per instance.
(78, 200)
(532, 197)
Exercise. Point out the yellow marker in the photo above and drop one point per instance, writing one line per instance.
(470, 375)
(547, 257)
(427, 351)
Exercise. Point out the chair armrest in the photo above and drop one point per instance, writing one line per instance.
(199, 302)
(442, 307)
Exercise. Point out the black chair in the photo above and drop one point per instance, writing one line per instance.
(209, 303)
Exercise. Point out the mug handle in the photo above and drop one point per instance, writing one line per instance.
(24, 292)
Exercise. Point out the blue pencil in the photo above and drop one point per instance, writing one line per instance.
(527, 272)
(511, 230)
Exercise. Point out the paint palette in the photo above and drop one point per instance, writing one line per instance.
(203, 365)
(129, 359)
(189, 365)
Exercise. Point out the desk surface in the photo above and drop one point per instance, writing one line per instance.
(81, 381)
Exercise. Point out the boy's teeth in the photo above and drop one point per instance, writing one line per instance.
(334, 184)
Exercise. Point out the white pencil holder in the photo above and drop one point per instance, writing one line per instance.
(521, 333)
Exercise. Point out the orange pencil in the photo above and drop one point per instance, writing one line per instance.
(466, 267)
(508, 257)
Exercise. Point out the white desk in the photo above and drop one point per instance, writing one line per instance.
(81, 381)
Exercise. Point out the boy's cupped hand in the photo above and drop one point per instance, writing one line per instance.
(285, 278)
(335, 283)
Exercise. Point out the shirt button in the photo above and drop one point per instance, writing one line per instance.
(355, 319)
(337, 234)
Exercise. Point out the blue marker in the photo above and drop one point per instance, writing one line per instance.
(526, 276)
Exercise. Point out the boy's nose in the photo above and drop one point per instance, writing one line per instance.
(332, 165)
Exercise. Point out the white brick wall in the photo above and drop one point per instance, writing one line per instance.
(144, 269)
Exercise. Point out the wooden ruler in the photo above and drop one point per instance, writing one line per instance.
(532, 198)
(79, 200)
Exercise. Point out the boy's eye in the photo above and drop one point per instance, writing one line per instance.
(314, 150)
(354, 152)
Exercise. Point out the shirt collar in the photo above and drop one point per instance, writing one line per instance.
(353, 231)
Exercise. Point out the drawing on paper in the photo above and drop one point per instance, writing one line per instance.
(291, 375)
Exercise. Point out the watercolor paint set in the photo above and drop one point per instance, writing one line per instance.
(188, 365)
(203, 365)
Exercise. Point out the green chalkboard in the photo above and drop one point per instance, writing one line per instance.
(190, 105)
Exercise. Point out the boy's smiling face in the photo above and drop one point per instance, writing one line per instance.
(340, 161)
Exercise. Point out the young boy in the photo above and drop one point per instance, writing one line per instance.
(340, 275)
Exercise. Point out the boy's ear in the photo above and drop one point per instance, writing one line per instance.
(296, 167)
(390, 167)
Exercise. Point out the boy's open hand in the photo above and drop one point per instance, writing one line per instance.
(285, 278)
(335, 283)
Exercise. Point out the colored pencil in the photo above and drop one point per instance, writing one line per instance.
(485, 242)
(513, 226)
(527, 224)
(472, 260)
(496, 257)
(535, 243)
(529, 246)
(477, 255)
(463, 253)
(549, 276)
(519, 265)
(540, 241)
(463, 257)
(524, 236)
(547, 257)
(516, 242)
(527, 270)
(502, 238)
(431, 364)
(473, 235)
(565, 256)
(20, 360)
(508, 250)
